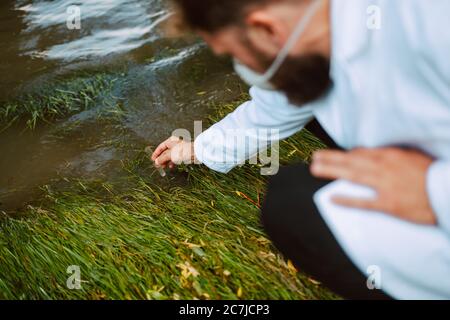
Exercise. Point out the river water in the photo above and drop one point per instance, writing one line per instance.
(162, 84)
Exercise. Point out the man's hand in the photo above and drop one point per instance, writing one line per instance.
(173, 151)
(398, 176)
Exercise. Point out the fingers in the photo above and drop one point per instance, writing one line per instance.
(365, 204)
(168, 144)
(332, 172)
(172, 152)
(162, 155)
(358, 166)
(164, 159)
(356, 158)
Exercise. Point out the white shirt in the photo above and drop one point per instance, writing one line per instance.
(391, 87)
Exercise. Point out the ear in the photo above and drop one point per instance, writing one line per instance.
(265, 31)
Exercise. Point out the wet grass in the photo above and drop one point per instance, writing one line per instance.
(55, 101)
(153, 239)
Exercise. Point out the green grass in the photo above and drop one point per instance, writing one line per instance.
(148, 239)
(55, 101)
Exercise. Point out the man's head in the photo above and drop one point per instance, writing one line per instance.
(255, 31)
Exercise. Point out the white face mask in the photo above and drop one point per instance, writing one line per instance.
(262, 81)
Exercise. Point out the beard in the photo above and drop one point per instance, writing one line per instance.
(303, 79)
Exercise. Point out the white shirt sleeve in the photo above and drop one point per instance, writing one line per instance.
(438, 185)
(266, 118)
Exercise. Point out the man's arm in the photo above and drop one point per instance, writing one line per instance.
(238, 137)
(267, 111)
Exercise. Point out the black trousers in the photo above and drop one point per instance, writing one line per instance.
(297, 229)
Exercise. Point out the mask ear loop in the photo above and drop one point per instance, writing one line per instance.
(296, 34)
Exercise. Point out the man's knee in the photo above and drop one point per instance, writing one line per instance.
(296, 227)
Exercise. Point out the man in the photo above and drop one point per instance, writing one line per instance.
(375, 75)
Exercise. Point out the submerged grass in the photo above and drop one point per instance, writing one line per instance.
(55, 101)
(153, 240)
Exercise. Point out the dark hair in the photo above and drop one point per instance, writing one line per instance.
(213, 15)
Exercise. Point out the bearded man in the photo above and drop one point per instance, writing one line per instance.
(369, 218)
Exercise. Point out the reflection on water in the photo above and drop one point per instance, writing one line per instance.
(106, 27)
(157, 84)
(36, 40)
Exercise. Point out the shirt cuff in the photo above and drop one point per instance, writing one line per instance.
(438, 187)
(206, 154)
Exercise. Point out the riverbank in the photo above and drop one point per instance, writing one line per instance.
(193, 235)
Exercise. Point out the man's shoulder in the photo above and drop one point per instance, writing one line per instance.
(423, 13)
(416, 26)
